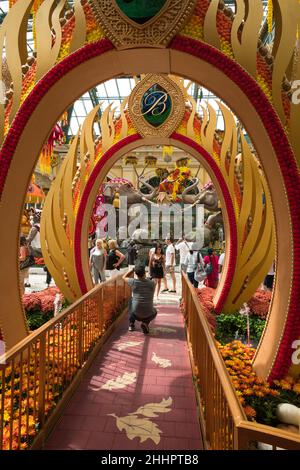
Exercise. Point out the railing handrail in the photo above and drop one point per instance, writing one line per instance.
(234, 404)
(24, 343)
(282, 436)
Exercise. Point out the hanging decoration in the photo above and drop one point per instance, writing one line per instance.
(46, 157)
(167, 151)
(34, 193)
(131, 160)
(183, 162)
(64, 119)
(150, 161)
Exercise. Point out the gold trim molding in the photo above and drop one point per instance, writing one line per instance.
(158, 31)
(177, 106)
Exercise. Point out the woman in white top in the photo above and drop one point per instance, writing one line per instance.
(192, 261)
(98, 262)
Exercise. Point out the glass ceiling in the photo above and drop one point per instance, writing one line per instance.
(115, 90)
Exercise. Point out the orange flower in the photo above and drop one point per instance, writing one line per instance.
(296, 388)
(249, 411)
(285, 385)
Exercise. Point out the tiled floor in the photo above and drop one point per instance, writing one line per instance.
(152, 369)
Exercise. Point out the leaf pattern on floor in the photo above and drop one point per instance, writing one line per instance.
(121, 381)
(128, 344)
(161, 362)
(143, 428)
(161, 329)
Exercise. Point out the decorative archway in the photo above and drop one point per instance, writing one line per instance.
(203, 64)
(98, 174)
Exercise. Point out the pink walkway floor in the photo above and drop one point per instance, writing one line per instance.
(152, 403)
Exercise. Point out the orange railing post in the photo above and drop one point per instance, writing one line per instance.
(42, 380)
(116, 294)
(80, 336)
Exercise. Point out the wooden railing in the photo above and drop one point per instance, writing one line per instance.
(224, 423)
(40, 373)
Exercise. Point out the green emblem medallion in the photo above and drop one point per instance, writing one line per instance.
(140, 11)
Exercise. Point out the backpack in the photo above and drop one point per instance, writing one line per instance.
(209, 267)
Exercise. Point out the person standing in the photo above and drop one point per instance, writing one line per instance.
(157, 267)
(48, 276)
(34, 239)
(183, 247)
(269, 279)
(132, 254)
(114, 259)
(23, 255)
(212, 269)
(191, 264)
(141, 304)
(170, 262)
(222, 259)
(98, 262)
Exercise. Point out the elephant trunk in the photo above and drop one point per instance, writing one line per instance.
(152, 194)
(190, 198)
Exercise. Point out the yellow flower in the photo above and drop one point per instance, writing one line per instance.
(285, 385)
(296, 388)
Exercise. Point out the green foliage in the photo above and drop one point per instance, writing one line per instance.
(234, 325)
(35, 319)
(65, 304)
(265, 407)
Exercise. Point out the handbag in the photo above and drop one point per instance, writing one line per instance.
(200, 273)
(27, 262)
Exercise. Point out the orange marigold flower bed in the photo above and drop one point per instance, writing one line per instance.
(248, 386)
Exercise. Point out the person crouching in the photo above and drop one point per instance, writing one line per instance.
(140, 306)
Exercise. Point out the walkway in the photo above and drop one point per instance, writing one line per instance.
(138, 393)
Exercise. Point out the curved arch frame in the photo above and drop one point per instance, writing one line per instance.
(97, 176)
(200, 63)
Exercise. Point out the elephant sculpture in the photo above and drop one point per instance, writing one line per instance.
(207, 196)
(173, 189)
(122, 188)
(213, 221)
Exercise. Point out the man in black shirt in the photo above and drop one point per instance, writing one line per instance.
(141, 304)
